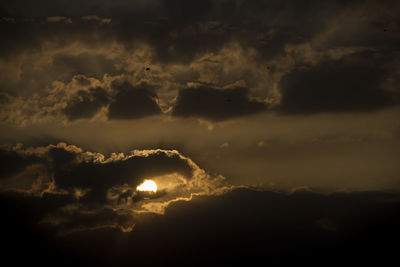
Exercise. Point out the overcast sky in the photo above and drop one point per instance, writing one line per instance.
(266, 125)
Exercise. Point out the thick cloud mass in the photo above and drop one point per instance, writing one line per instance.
(86, 104)
(99, 177)
(96, 185)
(215, 104)
(13, 163)
(350, 84)
(242, 226)
(133, 102)
(265, 95)
(302, 58)
(64, 67)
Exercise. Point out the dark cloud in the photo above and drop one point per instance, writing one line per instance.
(124, 60)
(85, 104)
(23, 234)
(67, 168)
(350, 84)
(64, 67)
(72, 190)
(125, 102)
(77, 220)
(29, 34)
(215, 104)
(98, 178)
(179, 30)
(3, 98)
(79, 191)
(82, 80)
(242, 226)
(176, 32)
(182, 11)
(12, 162)
(249, 226)
(132, 102)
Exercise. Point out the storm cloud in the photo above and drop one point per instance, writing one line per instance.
(238, 226)
(133, 102)
(269, 127)
(97, 184)
(215, 104)
(85, 104)
(13, 163)
(351, 84)
(305, 55)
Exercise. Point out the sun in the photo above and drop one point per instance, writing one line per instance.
(147, 185)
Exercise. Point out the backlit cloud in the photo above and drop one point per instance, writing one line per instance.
(98, 185)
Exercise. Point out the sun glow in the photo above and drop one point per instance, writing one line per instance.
(147, 185)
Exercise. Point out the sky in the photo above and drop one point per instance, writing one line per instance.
(269, 127)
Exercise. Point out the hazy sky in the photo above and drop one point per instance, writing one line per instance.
(286, 109)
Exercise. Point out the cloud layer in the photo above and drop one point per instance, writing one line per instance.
(101, 190)
(302, 59)
(242, 226)
(296, 103)
(214, 104)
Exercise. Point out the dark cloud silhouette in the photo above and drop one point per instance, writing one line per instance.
(178, 33)
(85, 104)
(215, 104)
(248, 226)
(125, 102)
(132, 102)
(243, 226)
(65, 61)
(12, 162)
(350, 84)
(95, 179)
(23, 234)
(98, 178)
(71, 168)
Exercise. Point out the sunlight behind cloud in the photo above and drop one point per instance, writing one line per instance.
(147, 185)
